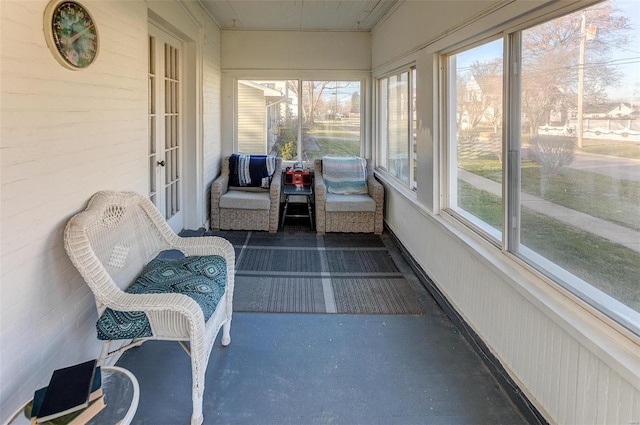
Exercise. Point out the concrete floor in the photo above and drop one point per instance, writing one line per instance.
(299, 369)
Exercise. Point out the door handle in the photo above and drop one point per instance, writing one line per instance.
(161, 163)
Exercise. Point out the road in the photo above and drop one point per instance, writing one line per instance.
(616, 167)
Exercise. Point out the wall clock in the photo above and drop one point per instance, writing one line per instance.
(71, 33)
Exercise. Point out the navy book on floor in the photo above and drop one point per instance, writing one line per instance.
(68, 391)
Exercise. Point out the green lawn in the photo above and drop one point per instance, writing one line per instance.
(611, 148)
(338, 138)
(610, 199)
(337, 148)
(611, 267)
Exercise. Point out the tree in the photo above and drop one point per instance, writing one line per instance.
(312, 92)
(551, 59)
(488, 77)
(479, 95)
(311, 97)
(355, 103)
(552, 153)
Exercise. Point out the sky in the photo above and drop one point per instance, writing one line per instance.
(627, 58)
(630, 54)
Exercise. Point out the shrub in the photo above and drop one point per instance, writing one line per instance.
(552, 152)
(287, 150)
(286, 145)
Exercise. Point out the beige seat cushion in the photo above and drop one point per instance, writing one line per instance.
(349, 203)
(244, 200)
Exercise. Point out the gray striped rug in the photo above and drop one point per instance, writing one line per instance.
(309, 273)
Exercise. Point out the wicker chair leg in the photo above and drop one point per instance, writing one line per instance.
(197, 393)
(226, 330)
(197, 418)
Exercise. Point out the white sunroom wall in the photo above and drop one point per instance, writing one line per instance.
(575, 367)
(211, 112)
(64, 136)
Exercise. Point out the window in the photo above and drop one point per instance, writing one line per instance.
(397, 125)
(571, 185)
(267, 119)
(272, 120)
(475, 135)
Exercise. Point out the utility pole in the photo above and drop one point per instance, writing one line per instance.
(583, 36)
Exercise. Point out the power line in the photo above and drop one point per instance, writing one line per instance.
(615, 47)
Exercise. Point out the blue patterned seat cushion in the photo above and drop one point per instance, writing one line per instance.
(202, 278)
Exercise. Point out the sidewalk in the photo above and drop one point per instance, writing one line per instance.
(607, 230)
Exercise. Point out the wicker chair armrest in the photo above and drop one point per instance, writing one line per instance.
(219, 187)
(207, 245)
(319, 187)
(276, 184)
(375, 189)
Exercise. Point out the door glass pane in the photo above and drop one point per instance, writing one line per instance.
(172, 131)
(152, 120)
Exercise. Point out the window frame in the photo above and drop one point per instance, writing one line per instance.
(382, 125)
(358, 77)
(447, 77)
(604, 304)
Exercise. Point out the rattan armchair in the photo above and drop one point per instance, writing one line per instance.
(235, 208)
(341, 213)
(111, 242)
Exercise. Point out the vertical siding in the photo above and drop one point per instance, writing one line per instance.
(252, 136)
(211, 110)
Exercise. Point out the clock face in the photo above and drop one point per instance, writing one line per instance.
(72, 34)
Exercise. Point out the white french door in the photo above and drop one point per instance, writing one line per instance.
(165, 126)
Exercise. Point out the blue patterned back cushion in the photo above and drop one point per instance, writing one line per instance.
(201, 278)
(345, 175)
(251, 170)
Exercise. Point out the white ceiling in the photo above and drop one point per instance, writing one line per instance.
(335, 15)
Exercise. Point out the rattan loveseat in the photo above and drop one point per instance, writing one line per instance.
(362, 213)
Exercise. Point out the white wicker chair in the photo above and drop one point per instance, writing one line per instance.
(110, 243)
